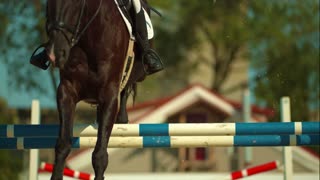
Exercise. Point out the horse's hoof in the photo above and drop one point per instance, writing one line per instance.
(122, 120)
(53, 178)
(99, 178)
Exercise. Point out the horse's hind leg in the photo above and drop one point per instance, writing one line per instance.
(106, 114)
(122, 117)
(66, 101)
(130, 89)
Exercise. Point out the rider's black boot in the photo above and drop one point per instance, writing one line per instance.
(151, 60)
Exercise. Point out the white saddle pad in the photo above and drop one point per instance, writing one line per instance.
(129, 27)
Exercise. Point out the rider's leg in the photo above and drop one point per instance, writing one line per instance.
(151, 60)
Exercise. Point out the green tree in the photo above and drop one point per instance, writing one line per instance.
(22, 31)
(285, 54)
(190, 25)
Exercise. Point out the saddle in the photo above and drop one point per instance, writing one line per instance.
(125, 7)
(126, 10)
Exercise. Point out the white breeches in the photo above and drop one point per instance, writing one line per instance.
(136, 5)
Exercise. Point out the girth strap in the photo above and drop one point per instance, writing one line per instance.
(129, 61)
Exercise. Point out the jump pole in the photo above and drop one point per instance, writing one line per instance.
(67, 172)
(174, 129)
(234, 175)
(254, 170)
(166, 141)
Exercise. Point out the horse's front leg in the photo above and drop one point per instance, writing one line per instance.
(66, 101)
(106, 114)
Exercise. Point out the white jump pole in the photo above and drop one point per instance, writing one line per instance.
(287, 151)
(34, 153)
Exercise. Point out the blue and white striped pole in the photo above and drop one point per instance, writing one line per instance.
(166, 141)
(187, 129)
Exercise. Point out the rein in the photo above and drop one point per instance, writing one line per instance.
(76, 33)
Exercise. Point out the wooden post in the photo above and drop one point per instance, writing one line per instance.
(34, 153)
(247, 118)
(287, 151)
(184, 163)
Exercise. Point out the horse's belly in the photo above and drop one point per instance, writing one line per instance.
(90, 101)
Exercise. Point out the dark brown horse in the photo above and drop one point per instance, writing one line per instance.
(88, 42)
